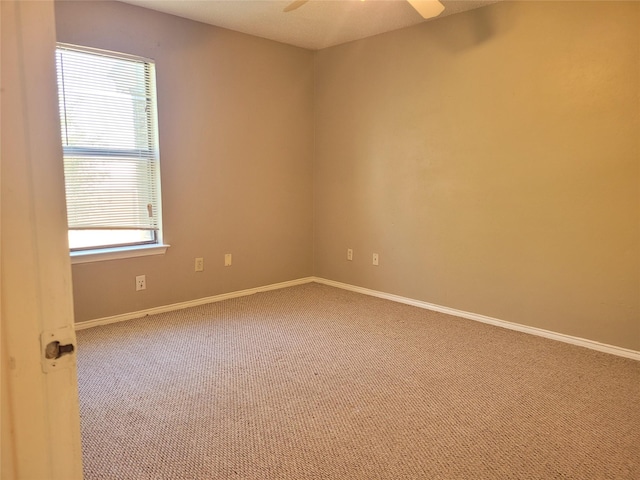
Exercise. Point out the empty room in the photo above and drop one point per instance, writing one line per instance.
(380, 239)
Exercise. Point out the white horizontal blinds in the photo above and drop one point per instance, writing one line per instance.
(107, 113)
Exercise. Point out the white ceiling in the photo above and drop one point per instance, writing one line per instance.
(315, 25)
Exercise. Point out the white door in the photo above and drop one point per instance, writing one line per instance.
(40, 417)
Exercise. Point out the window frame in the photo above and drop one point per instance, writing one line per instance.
(118, 250)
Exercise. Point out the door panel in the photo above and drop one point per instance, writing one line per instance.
(40, 416)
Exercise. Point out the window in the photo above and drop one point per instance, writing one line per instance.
(110, 145)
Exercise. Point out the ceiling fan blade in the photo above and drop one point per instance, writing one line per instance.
(294, 5)
(426, 8)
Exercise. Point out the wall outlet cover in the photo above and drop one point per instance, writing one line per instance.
(199, 266)
(141, 282)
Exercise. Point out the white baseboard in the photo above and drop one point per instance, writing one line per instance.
(582, 342)
(190, 303)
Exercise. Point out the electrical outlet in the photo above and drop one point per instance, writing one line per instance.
(199, 264)
(227, 259)
(375, 259)
(141, 282)
(349, 254)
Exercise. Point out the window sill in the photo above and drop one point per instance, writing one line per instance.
(88, 256)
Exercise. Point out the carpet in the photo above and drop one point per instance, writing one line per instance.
(314, 382)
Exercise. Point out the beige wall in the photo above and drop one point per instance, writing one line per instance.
(235, 125)
(491, 158)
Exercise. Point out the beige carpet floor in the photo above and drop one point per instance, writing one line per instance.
(312, 382)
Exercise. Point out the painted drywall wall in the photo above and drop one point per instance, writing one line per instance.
(236, 147)
(491, 158)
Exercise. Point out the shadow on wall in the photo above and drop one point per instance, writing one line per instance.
(473, 29)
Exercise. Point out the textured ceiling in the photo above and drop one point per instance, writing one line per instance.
(315, 25)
